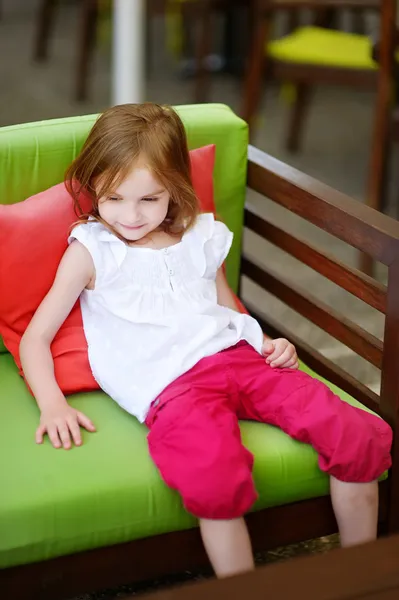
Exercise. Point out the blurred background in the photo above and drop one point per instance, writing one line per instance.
(57, 60)
(39, 76)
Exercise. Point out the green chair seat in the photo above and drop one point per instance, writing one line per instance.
(57, 502)
(323, 47)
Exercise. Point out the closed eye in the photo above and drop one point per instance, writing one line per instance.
(149, 199)
(113, 198)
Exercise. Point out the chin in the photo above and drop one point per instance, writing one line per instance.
(133, 235)
(133, 238)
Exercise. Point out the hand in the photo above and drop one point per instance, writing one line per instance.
(61, 423)
(280, 353)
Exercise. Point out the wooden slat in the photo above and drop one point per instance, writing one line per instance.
(315, 5)
(323, 4)
(319, 313)
(347, 219)
(365, 79)
(316, 361)
(352, 280)
(363, 572)
(390, 385)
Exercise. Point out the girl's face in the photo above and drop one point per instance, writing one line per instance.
(137, 207)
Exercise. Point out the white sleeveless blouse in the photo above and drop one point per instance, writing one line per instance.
(153, 313)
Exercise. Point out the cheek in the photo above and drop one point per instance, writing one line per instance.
(163, 208)
(163, 211)
(107, 210)
(156, 211)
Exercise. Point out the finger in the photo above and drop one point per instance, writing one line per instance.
(52, 432)
(85, 422)
(291, 364)
(40, 431)
(65, 437)
(267, 347)
(287, 350)
(278, 351)
(282, 359)
(75, 431)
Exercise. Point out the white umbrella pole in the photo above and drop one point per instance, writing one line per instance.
(128, 51)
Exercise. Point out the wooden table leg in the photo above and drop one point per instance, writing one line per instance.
(45, 20)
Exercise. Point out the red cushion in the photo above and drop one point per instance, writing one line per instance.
(240, 306)
(33, 239)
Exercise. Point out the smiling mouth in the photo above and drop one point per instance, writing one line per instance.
(132, 227)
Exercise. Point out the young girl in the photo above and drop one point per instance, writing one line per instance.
(166, 342)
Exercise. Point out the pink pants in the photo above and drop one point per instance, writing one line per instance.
(195, 441)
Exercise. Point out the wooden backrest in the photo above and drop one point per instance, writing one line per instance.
(356, 224)
(323, 11)
(326, 14)
(322, 4)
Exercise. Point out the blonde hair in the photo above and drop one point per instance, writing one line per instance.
(119, 137)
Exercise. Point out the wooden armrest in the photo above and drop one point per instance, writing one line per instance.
(351, 221)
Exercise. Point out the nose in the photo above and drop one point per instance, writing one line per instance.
(133, 215)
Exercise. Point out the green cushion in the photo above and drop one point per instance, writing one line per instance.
(34, 156)
(324, 47)
(57, 502)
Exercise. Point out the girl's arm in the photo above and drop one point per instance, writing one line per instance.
(225, 295)
(278, 353)
(75, 272)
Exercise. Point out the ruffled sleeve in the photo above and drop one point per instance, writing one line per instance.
(85, 235)
(210, 244)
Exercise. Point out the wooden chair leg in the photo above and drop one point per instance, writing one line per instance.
(386, 172)
(292, 21)
(325, 18)
(379, 146)
(394, 142)
(298, 117)
(202, 50)
(377, 188)
(45, 20)
(255, 68)
(358, 22)
(86, 45)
